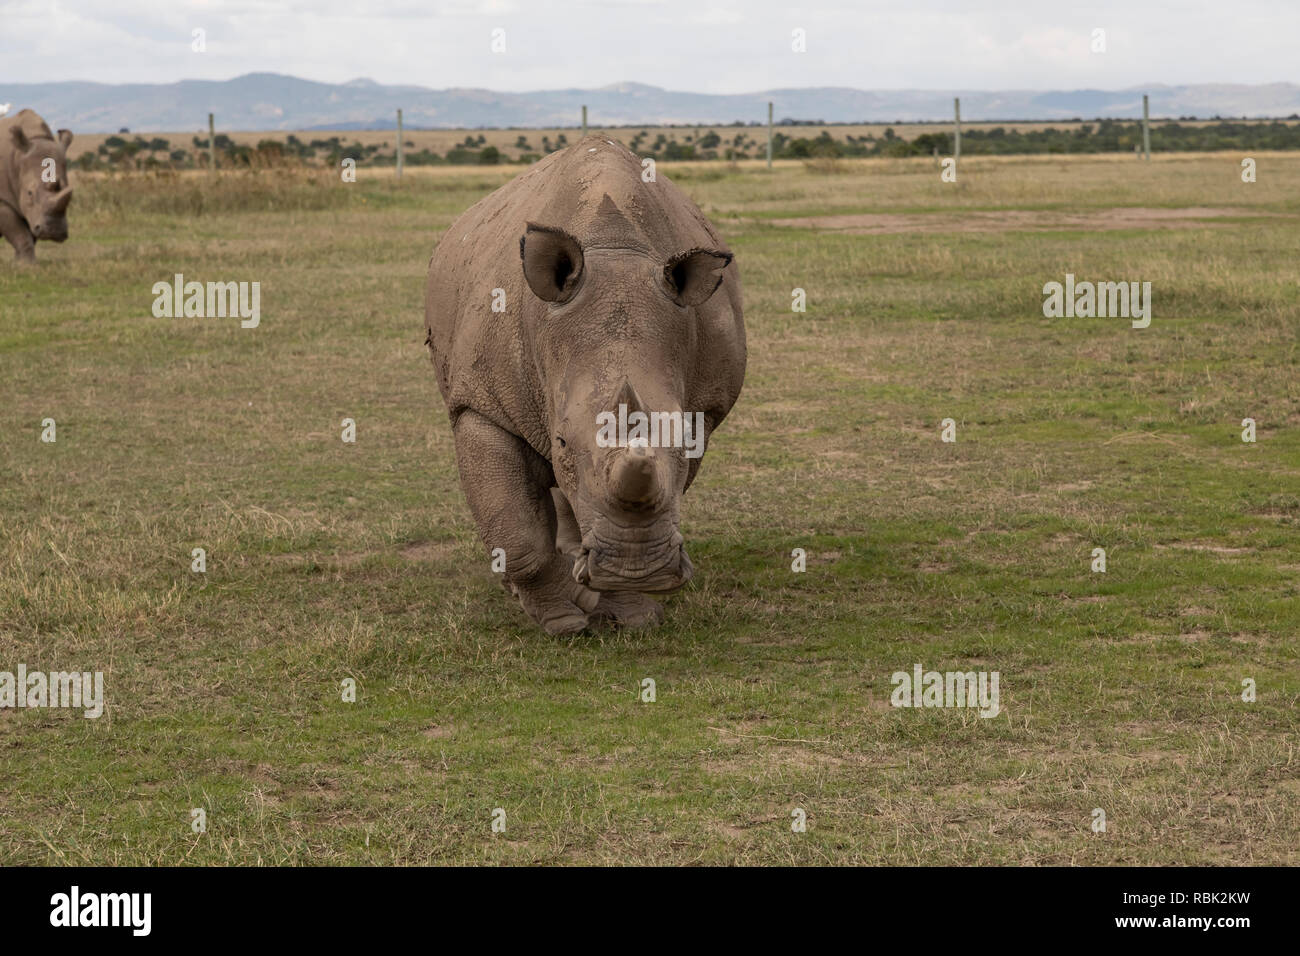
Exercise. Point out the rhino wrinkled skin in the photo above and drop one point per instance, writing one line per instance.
(616, 290)
(34, 194)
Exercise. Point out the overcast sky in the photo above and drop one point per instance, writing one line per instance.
(713, 46)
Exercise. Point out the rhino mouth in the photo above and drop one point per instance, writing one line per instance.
(57, 232)
(621, 559)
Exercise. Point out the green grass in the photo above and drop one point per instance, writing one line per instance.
(327, 561)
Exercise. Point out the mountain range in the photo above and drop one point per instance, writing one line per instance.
(272, 101)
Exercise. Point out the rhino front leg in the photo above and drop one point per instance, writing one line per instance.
(508, 486)
(14, 228)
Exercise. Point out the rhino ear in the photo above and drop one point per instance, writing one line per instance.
(21, 142)
(692, 277)
(65, 137)
(552, 262)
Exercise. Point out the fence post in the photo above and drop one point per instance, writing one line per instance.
(1146, 128)
(584, 121)
(956, 114)
(212, 145)
(399, 144)
(769, 135)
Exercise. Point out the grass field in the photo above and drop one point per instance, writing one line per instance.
(1119, 690)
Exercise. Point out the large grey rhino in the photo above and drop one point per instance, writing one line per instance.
(586, 284)
(34, 190)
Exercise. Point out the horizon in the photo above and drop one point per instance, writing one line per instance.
(275, 101)
(615, 86)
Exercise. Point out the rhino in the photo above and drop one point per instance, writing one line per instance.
(34, 190)
(584, 289)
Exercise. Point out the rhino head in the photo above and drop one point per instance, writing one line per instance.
(617, 327)
(41, 179)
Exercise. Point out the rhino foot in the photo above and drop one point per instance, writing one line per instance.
(554, 600)
(563, 618)
(566, 623)
(627, 609)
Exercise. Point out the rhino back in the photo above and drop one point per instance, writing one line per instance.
(594, 191)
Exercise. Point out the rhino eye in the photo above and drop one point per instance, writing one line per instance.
(562, 442)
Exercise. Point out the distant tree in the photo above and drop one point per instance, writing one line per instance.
(927, 143)
(270, 149)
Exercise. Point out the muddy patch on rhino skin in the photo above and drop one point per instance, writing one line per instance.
(1022, 220)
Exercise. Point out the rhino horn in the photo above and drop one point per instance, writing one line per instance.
(61, 202)
(634, 478)
(626, 395)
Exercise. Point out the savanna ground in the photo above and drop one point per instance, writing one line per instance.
(1119, 690)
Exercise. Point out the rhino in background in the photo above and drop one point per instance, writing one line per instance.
(34, 190)
(579, 290)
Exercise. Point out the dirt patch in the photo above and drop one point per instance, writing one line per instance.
(1197, 546)
(738, 830)
(935, 567)
(342, 559)
(1019, 220)
(428, 550)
